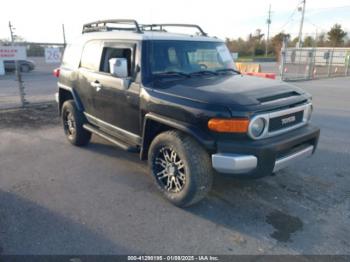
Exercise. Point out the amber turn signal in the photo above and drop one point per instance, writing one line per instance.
(236, 125)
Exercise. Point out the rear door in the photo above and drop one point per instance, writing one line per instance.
(88, 76)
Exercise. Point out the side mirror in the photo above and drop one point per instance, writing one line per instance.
(118, 67)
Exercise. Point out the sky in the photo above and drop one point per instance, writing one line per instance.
(41, 20)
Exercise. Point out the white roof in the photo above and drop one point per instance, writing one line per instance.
(147, 35)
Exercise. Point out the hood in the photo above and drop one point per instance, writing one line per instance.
(233, 91)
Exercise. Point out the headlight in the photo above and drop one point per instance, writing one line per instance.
(256, 127)
(308, 113)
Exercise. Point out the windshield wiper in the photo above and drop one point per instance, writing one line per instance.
(171, 74)
(203, 72)
(228, 70)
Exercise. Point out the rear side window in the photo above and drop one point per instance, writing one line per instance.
(91, 56)
(71, 56)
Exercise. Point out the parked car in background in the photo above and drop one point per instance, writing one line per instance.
(24, 65)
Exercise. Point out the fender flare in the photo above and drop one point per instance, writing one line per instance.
(74, 94)
(198, 134)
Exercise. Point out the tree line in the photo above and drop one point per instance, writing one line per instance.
(255, 45)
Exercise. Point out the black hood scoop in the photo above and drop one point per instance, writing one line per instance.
(267, 99)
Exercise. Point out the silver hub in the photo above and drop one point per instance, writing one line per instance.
(170, 170)
(69, 123)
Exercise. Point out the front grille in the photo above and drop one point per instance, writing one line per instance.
(285, 121)
(281, 121)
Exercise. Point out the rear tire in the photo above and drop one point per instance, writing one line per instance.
(181, 168)
(73, 121)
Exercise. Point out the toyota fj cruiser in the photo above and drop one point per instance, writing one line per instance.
(178, 101)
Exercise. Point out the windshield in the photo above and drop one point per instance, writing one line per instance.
(187, 57)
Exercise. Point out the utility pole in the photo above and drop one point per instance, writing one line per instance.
(268, 21)
(299, 44)
(316, 36)
(64, 36)
(18, 70)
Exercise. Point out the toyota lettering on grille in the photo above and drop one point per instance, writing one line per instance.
(288, 120)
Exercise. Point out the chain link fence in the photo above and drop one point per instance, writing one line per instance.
(38, 85)
(314, 63)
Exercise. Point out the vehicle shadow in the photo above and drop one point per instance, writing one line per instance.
(271, 208)
(99, 145)
(28, 228)
(275, 207)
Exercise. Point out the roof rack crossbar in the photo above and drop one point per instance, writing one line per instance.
(106, 25)
(101, 25)
(161, 27)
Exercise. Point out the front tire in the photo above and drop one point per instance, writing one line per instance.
(181, 168)
(73, 121)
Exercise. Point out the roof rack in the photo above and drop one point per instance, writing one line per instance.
(108, 25)
(101, 26)
(151, 27)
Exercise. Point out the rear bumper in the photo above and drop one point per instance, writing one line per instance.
(57, 98)
(263, 157)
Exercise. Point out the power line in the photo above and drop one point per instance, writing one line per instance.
(311, 23)
(290, 17)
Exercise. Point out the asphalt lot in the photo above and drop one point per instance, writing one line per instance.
(60, 199)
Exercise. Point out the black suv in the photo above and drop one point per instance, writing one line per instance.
(178, 101)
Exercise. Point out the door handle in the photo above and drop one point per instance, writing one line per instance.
(96, 85)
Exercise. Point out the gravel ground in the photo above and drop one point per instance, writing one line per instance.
(35, 116)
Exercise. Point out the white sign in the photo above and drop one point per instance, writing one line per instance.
(52, 55)
(13, 53)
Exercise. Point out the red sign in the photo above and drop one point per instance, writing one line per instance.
(12, 53)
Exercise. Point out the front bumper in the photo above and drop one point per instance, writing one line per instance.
(262, 157)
